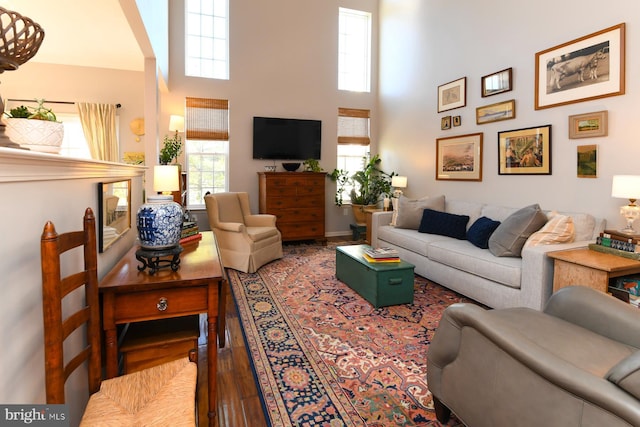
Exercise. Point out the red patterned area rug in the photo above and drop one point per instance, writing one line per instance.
(323, 356)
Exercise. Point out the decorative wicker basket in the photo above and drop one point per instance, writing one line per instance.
(20, 39)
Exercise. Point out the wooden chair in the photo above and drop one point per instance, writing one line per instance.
(161, 395)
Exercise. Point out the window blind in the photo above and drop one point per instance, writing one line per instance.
(353, 126)
(207, 118)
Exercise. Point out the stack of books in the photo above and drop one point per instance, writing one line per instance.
(618, 243)
(381, 255)
(190, 232)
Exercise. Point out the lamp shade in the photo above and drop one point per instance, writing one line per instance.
(626, 186)
(166, 178)
(176, 123)
(399, 181)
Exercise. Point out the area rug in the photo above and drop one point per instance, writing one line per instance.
(324, 356)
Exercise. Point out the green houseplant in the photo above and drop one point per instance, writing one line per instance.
(171, 149)
(368, 185)
(312, 165)
(35, 128)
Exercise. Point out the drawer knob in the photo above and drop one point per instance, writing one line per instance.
(162, 304)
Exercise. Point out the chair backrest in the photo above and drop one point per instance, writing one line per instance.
(227, 207)
(54, 289)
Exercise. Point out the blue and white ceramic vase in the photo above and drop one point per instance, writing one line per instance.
(159, 223)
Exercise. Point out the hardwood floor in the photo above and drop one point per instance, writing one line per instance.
(238, 398)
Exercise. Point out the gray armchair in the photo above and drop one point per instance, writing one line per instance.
(576, 363)
(246, 241)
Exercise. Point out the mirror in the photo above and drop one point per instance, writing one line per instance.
(114, 211)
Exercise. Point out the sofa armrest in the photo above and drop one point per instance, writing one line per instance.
(379, 219)
(598, 312)
(236, 227)
(626, 374)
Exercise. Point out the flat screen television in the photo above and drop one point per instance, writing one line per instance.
(286, 139)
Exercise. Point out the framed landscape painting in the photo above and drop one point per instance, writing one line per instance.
(588, 125)
(587, 161)
(586, 68)
(459, 158)
(504, 110)
(525, 151)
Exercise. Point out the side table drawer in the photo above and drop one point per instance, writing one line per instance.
(159, 303)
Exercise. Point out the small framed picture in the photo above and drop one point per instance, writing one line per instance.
(445, 123)
(588, 125)
(496, 83)
(452, 95)
(504, 110)
(587, 161)
(525, 151)
(459, 158)
(457, 120)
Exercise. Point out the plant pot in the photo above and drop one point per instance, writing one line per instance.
(359, 212)
(36, 135)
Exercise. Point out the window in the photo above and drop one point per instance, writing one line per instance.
(74, 143)
(207, 39)
(354, 50)
(353, 142)
(206, 148)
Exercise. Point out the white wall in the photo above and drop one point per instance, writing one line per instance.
(425, 44)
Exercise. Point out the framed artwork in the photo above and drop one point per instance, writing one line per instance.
(525, 151)
(590, 67)
(457, 120)
(588, 125)
(445, 123)
(459, 158)
(452, 95)
(587, 161)
(114, 212)
(496, 83)
(504, 110)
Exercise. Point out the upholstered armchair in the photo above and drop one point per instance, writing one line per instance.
(246, 241)
(576, 363)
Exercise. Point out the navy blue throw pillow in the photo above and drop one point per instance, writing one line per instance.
(444, 224)
(481, 230)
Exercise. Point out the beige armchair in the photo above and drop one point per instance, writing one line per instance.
(246, 241)
(577, 363)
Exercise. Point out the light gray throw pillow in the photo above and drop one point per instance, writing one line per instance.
(410, 210)
(513, 232)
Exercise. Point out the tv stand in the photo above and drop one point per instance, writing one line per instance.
(297, 200)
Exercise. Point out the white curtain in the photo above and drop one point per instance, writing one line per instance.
(99, 127)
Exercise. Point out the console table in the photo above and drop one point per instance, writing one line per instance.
(130, 295)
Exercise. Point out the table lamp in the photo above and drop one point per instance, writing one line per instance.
(398, 182)
(627, 187)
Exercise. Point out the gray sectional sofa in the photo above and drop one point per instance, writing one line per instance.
(496, 281)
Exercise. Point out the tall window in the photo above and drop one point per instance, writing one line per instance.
(206, 148)
(74, 143)
(354, 50)
(207, 39)
(353, 142)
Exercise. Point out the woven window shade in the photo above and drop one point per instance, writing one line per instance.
(353, 126)
(207, 119)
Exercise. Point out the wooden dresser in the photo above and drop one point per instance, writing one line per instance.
(297, 200)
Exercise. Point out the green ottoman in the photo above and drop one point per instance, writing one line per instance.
(381, 284)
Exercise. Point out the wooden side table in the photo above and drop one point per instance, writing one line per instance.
(369, 214)
(584, 267)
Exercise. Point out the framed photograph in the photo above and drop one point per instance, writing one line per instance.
(445, 123)
(496, 83)
(504, 110)
(588, 125)
(452, 95)
(590, 67)
(459, 158)
(587, 161)
(525, 151)
(457, 120)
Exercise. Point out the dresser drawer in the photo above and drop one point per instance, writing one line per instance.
(298, 215)
(159, 303)
(301, 230)
(281, 203)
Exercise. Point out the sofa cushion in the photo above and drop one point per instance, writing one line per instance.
(394, 216)
(410, 210)
(481, 230)
(444, 224)
(626, 374)
(559, 229)
(464, 207)
(513, 232)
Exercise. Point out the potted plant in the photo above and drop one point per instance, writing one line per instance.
(171, 149)
(312, 165)
(368, 185)
(35, 128)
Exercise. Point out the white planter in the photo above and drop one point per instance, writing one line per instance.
(36, 135)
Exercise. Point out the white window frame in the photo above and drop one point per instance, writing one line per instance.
(207, 39)
(354, 50)
(195, 151)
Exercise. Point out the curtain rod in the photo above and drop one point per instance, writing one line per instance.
(50, 102)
